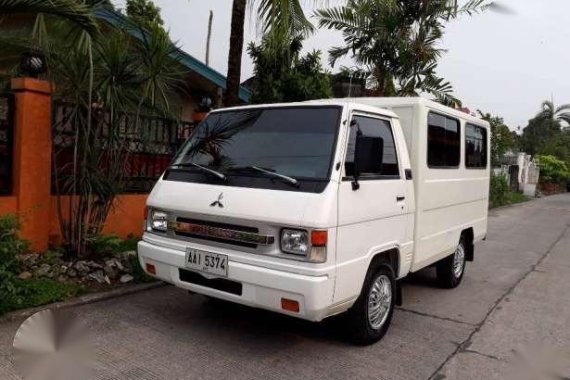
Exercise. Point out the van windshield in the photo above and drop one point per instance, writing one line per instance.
(296, 142)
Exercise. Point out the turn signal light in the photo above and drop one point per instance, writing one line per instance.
(290, 305)
(145, 213)
(150, 268)
(319, 238)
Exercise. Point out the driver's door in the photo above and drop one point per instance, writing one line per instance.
(373, 216)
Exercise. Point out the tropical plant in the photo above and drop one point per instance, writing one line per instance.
(77, 12)
(283, 19)
(396, 43)
(285, 75)
(550, 111)
(501, 137)
(107, 85)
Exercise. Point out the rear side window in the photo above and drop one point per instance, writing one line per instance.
(444, 146)
(475, 146)
(373, 127)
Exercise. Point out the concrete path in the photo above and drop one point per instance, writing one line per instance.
(511, 314)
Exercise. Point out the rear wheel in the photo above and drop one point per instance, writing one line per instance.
(451, 269)
(371, 315)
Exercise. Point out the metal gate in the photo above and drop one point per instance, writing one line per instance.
(6, 142)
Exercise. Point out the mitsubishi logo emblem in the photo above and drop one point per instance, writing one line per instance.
(218, 202)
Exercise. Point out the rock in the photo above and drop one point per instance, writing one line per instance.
(98, 276)
(25, 276)
(107, 280)
(126, 278)
(64, 268)
(71, 272)
(43, 270)
(93, 264)
(81, 266)
(62, 278)
(111, 271)
(118, 264)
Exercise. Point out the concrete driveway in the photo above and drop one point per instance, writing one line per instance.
(515, 297)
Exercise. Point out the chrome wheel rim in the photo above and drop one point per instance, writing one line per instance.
(459, 261)
(379, 301)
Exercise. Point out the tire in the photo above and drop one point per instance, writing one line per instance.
(450, 270)
(380, 282)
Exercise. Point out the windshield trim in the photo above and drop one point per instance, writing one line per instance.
(334, 145)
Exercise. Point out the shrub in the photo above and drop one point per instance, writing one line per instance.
(104, 245)
(553, 170)
(499, 191)
(11, 247)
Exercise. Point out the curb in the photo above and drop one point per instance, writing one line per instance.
(82, 300)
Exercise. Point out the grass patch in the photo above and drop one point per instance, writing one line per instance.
(509, 198)
(41, 291)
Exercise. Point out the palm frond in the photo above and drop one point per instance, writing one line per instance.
(74, 11)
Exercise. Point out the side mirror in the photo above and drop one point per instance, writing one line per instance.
(368, 155)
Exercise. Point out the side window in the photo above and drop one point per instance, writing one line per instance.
(372, 127)
(475, 146)
(444, 146)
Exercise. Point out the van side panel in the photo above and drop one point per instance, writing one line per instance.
(448, 200)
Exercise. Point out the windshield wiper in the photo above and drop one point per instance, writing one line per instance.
(270, 173)
(215, 173)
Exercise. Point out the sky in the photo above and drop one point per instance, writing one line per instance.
(505, 64)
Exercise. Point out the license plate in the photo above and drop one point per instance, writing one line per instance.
(207, 262)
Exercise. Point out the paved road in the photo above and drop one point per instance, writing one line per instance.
(515, 297)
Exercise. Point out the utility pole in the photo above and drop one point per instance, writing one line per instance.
(209, 38)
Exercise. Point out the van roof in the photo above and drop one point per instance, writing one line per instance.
(376, 104)
(323, 102)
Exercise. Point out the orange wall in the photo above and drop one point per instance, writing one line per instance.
(8, 205)
(32, 200)
(126, 217)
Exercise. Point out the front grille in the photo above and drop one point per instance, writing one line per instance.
(221, 232)
(221, 284)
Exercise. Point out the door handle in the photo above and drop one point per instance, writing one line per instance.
(400, 199)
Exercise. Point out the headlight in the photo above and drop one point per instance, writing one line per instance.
(296, 242)
(158, 221)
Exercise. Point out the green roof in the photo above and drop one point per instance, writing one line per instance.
(116, 18)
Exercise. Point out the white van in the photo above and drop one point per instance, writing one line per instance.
(318, 208)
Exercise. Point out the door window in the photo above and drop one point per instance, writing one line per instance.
(373, 127)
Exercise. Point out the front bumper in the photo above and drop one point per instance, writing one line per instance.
(261, 287)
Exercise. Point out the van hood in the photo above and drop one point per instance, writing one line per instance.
(288, 208)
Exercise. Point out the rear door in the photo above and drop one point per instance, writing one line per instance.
(373, 217)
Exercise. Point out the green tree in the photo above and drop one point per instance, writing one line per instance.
(545, 133)
(397, 42)
(559, 114)
(501, 137)
(144, 12)
(282, 18)
(287, 76)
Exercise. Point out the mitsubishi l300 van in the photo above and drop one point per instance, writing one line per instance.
(319, 208)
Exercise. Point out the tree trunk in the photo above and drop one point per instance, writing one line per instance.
(234, 58)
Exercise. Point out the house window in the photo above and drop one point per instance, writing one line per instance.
(475, 146)
(372, 127)
(444, 148)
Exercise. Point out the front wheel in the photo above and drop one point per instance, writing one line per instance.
(371, 315)
(451, 269)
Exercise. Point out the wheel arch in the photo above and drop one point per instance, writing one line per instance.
(469, 237)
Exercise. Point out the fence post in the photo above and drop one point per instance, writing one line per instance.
(32, 158)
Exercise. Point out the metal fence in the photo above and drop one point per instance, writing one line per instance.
(149, 145)
(6, 142)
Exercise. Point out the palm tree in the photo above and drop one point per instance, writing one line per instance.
(282, 18)
(560, 115)
(396, 42)
(77, 12)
